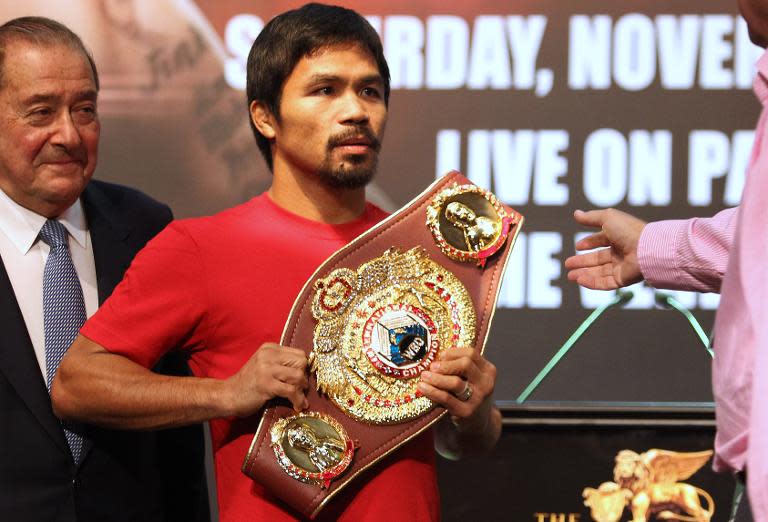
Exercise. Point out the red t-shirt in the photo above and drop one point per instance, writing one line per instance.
(221, 286)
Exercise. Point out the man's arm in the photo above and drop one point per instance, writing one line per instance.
(96, 386)
(687, 254)
(473, 425)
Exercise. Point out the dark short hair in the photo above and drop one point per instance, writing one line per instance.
(288, 38)
(44, 32)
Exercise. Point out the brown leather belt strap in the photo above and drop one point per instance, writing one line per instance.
(403, 231)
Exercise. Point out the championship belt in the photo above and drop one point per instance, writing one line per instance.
(374, 316)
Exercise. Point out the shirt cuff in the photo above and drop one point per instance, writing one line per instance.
(657, 252)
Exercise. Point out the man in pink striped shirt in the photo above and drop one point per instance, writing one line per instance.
(725, 253)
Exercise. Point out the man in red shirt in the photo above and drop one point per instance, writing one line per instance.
(221, 287)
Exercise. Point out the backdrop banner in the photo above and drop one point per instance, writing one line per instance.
(552, 105)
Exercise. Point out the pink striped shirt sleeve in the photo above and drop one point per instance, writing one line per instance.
(687, 254)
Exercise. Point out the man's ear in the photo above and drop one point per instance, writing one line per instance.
(262, 118)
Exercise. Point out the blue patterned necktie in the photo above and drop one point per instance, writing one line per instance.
(63, 311)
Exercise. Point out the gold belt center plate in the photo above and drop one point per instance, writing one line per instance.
(380, 326)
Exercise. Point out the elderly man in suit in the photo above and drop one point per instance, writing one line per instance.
(65, 242)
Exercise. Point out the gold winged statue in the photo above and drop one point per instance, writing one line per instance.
(649, 482)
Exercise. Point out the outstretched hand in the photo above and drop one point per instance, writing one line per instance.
(608, 268)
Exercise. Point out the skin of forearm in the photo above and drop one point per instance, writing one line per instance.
(465, 437)
(95, 386)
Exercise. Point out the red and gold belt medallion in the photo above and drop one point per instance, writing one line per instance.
(380, 326)
(468, 223)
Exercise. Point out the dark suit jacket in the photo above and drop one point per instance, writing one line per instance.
(124, 476)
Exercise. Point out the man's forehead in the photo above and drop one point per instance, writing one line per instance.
(25, 61)
(335, 56)
(30, 85)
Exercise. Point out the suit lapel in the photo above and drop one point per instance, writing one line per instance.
(19, 365)
(109, 233)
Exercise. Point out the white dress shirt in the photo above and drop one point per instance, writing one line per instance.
(24, 256)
